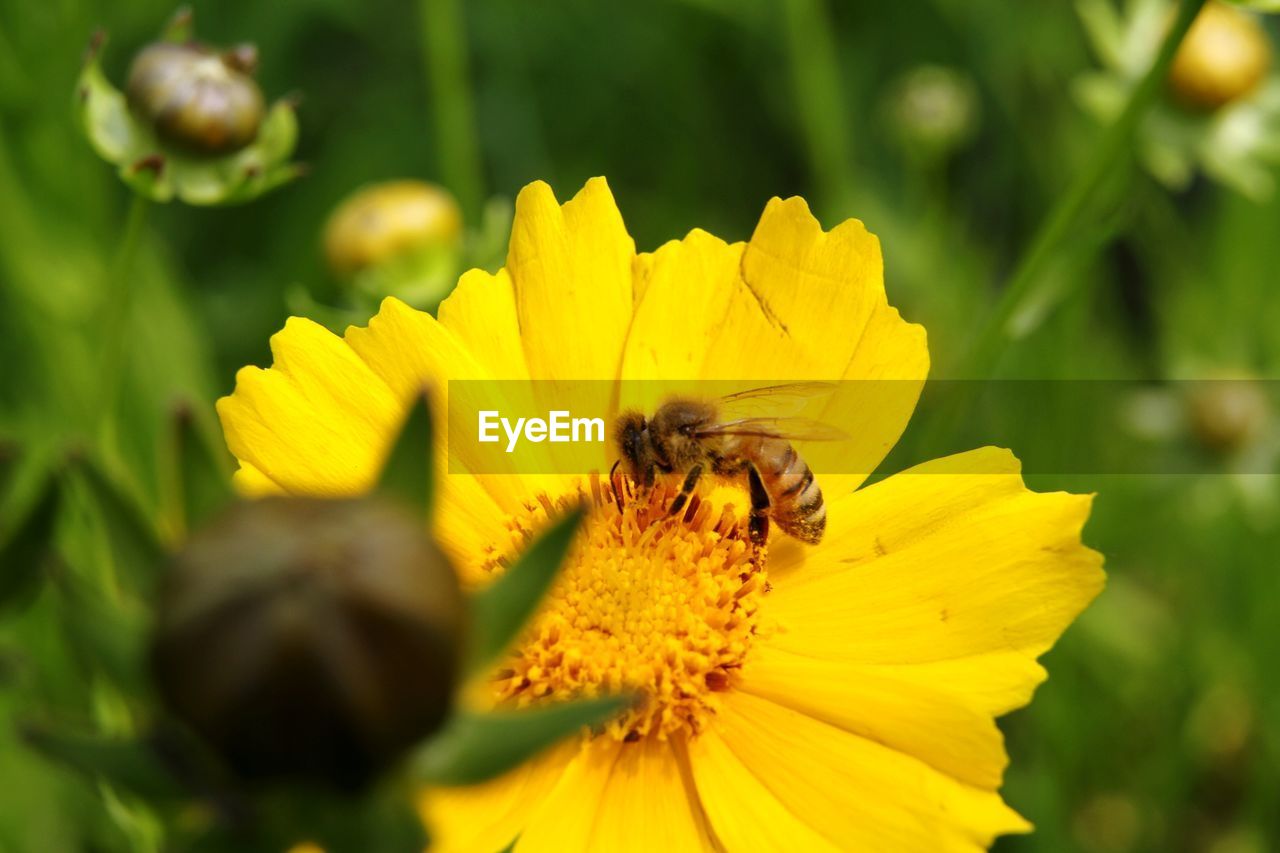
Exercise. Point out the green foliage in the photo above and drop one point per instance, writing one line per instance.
(476, 747)
(408, 474)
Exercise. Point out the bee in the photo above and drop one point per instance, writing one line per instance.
(692, 437)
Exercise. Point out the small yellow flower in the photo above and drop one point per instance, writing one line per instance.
(840, 696)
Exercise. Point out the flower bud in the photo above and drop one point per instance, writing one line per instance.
(1227, 414)
(1223, 58)
(310, 639)
(389, 220)
(933, 109)
(196, 98)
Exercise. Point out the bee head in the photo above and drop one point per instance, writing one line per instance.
(631, 434)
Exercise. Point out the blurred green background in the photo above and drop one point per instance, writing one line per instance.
(1159, 728)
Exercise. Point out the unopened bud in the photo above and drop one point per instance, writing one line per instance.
(1228, 414)
(310, 639)
(1223, 58)
(195, 97)
(389, 220)
(933, 109)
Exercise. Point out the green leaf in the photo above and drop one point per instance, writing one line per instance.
(1259, 5)
(500, 610)
(135, 548)
(9, 456)
(127, 764)
(407, 476)
(26, 546)
(105, 636)
(475, 747)
(199, 479)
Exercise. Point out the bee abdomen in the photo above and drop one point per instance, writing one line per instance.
(798, 507)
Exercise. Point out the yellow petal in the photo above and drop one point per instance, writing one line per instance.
(947, 731)
(795, 303)
(950, 559)
(618, 797)
(251, 482)
(855, 793)
(315, 422)
(481, 315)
(571, 267)
(486, 818)
(321, 420)
(818, 289)
(743, 812)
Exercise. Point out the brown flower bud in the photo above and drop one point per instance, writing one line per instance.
(196, 98)
(313, 639)
(1223, 58)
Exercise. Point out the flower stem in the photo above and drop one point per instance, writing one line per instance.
(444, 47)
(996, 332)
(119, 295)
(819, 99)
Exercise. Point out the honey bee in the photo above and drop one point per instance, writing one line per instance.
(692, 437)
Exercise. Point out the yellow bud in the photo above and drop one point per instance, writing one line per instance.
(1224, 57)
(310, 639)
(388, 220)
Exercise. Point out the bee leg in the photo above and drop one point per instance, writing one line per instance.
(690, 483)
(758, 527)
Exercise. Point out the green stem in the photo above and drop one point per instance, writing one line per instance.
(996, 333)
(119, 295)
(444, 46)
(820, 100)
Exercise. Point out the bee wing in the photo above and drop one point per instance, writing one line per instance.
(789, 429)
(789, 398)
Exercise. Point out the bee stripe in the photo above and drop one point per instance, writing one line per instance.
(800, 484)
(810, 500)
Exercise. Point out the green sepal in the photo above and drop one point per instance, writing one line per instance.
(474, 747)
(500, 610)
(198, 476)
(407, 475)
(162, 172)
(27, 544)
(133, 543)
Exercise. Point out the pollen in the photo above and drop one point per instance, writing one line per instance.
(660, 606)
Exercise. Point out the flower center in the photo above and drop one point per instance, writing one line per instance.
(660, 605)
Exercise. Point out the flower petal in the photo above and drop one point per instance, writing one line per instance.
(744, 813)
(949, 559)
(946, 731)
(618, 797)
(485, 818)
(857, 794)
(481, 314)
(321, 419)
(795, 303)
(314, 422)
(571, 267)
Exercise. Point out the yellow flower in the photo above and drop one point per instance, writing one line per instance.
(799, 698)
